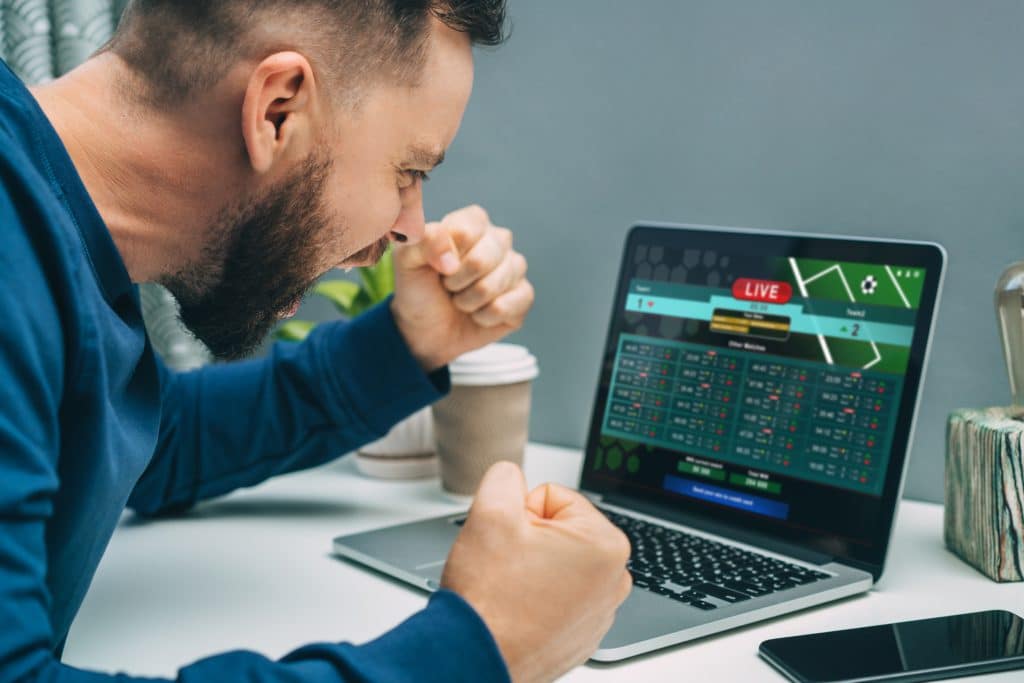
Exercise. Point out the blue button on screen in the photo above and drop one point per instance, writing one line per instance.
(714, 494)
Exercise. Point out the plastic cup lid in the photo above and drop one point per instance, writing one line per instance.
(493, 365)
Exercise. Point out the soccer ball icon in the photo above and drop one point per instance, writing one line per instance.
(869, 284)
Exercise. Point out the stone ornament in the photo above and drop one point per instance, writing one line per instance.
(984, 514)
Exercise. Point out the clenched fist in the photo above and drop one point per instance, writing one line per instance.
(545, 571)
(461, 287)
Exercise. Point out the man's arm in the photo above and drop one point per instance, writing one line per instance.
(445, 642)
(459, 288)
(234, 425)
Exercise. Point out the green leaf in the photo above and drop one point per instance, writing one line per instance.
(379, 280)
(362, 303)
(294, 330)
(342, 293)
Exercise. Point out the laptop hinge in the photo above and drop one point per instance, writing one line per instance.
(729, 531)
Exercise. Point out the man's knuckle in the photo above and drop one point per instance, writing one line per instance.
(498, 309)
(478, 212)
(470, 300)
(623, 546)
(475, 262)
(485, 290)
(431, 231)
(473, 215)
(616, 546)
(529, 293)
(520, 263)
(465, 302)
(625, 588)
(514, 269)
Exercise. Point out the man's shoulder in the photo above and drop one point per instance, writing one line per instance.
(22, 165)
(36, 268)
(31, 219)
(23, 189)
(15, 113)
(36, 211)
(31, 210)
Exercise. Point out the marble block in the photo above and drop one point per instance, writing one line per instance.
(984, 514)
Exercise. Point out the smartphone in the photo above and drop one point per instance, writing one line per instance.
(922, 650)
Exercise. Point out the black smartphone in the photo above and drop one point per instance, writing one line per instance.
(922, 650)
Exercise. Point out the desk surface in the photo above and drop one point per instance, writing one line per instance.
(254, 571)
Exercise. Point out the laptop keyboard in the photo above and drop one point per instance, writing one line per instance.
(701, 572)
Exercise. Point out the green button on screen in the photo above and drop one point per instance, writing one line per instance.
(751, 482)
(701, 471)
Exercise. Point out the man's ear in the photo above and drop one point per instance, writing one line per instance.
(277, 110)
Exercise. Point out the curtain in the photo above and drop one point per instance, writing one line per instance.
(42, 39)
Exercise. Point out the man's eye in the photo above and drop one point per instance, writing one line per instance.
(415, 174)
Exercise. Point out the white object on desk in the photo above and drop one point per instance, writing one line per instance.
(254, 571)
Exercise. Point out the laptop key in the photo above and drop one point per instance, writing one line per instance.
(801, 578)
(667, 592)
(721, 593)
(748, 588)
(701, 604)
(641, 581)
(678, 597)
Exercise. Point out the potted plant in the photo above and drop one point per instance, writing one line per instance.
(407, 451)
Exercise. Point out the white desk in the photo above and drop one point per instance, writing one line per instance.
(254, 571)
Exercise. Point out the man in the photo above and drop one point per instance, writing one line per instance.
(235, 150)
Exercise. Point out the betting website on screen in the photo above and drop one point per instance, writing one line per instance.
(774, 394)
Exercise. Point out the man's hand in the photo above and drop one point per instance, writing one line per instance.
(459, 288)
(545, 571)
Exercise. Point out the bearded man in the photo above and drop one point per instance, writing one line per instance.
(234, 151)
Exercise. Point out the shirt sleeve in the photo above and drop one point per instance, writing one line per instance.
(233, 425)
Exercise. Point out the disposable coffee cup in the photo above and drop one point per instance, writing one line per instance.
(486, 417)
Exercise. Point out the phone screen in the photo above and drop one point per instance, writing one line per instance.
(980, 641)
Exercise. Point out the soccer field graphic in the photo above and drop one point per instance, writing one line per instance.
(858, 284)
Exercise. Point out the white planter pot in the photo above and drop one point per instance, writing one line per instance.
(406, 452)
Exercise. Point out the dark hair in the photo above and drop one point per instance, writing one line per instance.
(180, 47)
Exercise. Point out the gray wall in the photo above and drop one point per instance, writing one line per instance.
(875, 117)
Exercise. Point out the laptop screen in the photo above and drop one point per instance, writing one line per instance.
(764, 380)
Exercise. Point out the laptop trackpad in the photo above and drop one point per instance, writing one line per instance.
(646, 615)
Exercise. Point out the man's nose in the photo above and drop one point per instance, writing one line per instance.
(411, 223)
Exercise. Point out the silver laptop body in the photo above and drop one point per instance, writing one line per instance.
(654, 617)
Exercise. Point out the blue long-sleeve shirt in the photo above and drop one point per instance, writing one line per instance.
(91, 421)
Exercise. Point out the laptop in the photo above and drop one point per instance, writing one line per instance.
(754, 410)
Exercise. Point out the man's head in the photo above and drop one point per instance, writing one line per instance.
(329, 114)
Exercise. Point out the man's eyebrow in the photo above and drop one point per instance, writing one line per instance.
(425, 156)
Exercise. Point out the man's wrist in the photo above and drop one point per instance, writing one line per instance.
(429, 361)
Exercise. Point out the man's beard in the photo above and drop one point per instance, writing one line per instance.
(263, 258)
